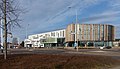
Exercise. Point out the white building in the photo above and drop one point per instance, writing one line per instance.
(53, 38)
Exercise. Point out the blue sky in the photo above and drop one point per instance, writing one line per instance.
(47, 15)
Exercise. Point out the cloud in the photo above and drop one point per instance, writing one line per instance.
(117, 31)
(46, 15)
(110, 15)
(114, 4)
(102, 17)
(55, 11)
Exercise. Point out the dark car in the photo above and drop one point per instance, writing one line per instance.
(108, 47)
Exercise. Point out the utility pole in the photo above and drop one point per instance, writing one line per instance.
(27, 31)
(76, 40)
(1, 33)
(26, 36)
(5, 31)
(75, 32)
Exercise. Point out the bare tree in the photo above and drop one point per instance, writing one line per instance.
(9, 11)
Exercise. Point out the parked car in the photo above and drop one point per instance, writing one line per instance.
(105, 47)
(102, 47)
(108, 47)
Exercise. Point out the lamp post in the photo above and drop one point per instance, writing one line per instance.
(27, 31)
(76, 38)
(1, 33)
(10, 35)
(26, 34)
(75, 32)
(80, 34)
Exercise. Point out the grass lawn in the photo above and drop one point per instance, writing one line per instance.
(43, 61)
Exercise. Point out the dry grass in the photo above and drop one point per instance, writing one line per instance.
(44, 61)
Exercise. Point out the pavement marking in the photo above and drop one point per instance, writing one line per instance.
(97, 51)
(30, 49)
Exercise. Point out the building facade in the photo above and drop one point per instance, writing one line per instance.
(90, 34)
(47, 39)
(82, 34)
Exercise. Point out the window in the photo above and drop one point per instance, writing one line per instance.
(35, 37)
(52, 33)
(60, 33)
(57, 34)
(63, 33)
(41, 35)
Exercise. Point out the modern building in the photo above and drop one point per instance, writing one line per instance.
(47, 39)
(82, 34)
(90, 34)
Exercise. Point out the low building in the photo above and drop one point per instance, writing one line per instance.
(47, 39)
(28, 43)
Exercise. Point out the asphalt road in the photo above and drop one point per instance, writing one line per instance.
(114, 52)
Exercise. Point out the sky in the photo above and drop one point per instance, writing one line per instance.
(48, 15)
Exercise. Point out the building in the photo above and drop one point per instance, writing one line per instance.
(90, 34)
(116, 43)
(47, 39)
(82, 34)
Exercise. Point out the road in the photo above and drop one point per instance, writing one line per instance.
(114, 52)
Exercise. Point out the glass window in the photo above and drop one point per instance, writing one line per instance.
(63, 33)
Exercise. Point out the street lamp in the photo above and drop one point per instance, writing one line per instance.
(1, 32)
(10, 35)
(80, 34)
(75, 32)
(27, 30)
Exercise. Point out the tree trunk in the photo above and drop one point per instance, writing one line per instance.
(5, 31)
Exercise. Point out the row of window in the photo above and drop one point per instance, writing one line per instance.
(94, 31)
(51, 34)
(58, 34)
